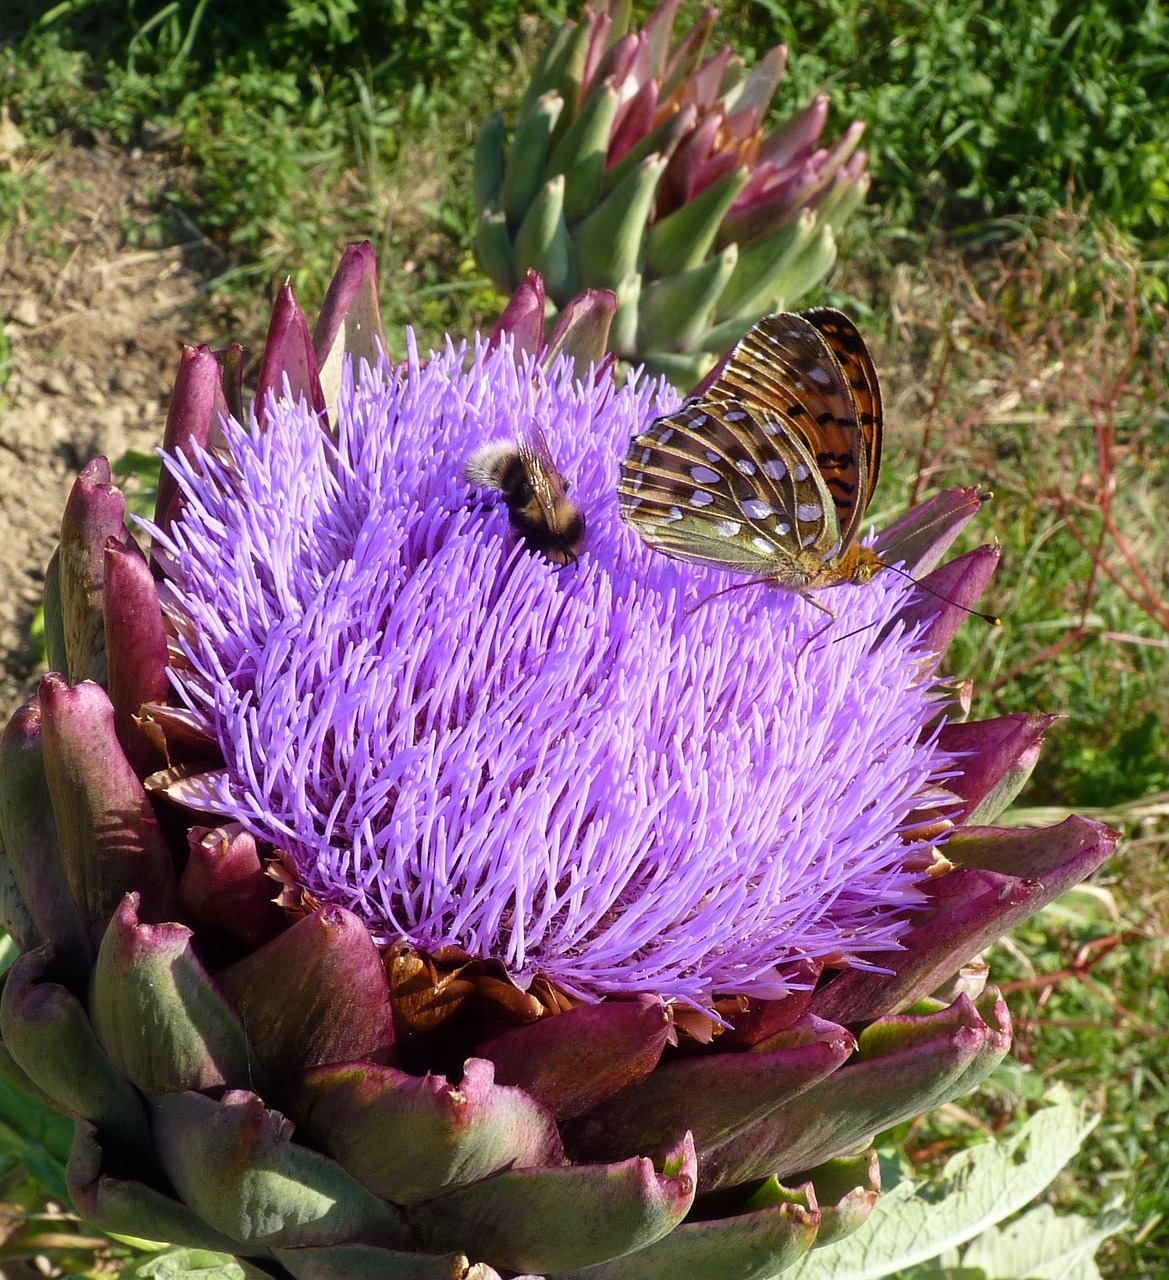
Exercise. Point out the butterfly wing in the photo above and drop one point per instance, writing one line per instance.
(713, 485)
(857, 365)
(785, 370)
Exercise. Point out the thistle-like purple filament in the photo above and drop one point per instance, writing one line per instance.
(574, 772)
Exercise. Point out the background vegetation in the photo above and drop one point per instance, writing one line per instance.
(1010, 270)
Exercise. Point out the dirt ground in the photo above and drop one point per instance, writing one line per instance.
(95, 326)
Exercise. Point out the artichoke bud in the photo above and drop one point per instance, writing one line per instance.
(542, 243)
(521, 175)
(666, 163)
(676, 310)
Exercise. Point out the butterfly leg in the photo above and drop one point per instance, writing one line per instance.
(811, 640)
(735, 586)
(819, 605)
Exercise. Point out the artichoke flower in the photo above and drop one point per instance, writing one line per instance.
(393, 902)
(640, 165)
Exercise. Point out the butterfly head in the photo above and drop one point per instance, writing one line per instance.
(858, 564)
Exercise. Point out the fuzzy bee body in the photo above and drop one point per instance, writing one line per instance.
(536, 494)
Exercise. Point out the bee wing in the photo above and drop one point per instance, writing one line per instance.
(547, 484)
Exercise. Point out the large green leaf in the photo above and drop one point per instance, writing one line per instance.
(978, 1188)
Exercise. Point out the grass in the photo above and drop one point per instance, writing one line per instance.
(318, 124)
(1034, 367)
(1061, 411)
(1019, 330)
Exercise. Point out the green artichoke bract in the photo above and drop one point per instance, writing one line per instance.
(640, 165)
(392, 902)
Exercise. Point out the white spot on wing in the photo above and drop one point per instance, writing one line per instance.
(704, 475)
(735, 415)
(645, 456)
(770, 427)
(801, 471)
(674, 516)
(822, 376)
(746, 466)
(700, 498)
(775, 469)
(809, 511)
(833, 551)
(711, 456)
(761, 544)
(757, 509)
(728, 528)
(666, 436)
(782, 527)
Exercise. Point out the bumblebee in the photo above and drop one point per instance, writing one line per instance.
(536, 494)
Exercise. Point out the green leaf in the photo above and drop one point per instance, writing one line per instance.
(178, 1264)
(542, 242)
(978, 1188)
(488, 163)
(137, 476)
(1042, 1245)
(8, 952)
(525, 156)
(494, 252)
(608, 242)
(35, 1136)
(580, 153)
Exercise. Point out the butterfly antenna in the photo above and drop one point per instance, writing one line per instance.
(816, 636)
(989, 618)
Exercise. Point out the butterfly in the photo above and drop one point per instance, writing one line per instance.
(536, 494)
(769, 471)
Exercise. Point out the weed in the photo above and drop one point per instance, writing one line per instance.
(1034, 371)
(978, 111)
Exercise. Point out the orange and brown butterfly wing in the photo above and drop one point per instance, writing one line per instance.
(786, 368)
(853, 356)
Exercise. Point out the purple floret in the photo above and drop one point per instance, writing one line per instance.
(575, 771)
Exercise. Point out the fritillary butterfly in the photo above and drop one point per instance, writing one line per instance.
(770, 470)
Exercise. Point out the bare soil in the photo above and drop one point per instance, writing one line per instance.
(95, 326)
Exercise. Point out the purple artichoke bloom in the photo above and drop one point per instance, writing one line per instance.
(549, 769)
(488, 913)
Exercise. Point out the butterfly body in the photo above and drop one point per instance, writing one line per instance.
(536, 494)
(770, 470)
